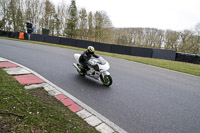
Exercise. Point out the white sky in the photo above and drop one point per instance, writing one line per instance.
(161, 14)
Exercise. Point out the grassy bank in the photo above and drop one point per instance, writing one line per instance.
(24, 111)
(172, 65)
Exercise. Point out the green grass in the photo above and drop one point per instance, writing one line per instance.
(24, 111)
(188, 68)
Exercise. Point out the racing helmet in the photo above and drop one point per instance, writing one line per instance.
(90, 50)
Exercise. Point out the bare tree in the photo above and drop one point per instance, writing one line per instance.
(122, 37)
(103, 27)
(63, 15)
(4, 14)
(197, 30)
(172, 39)
(185, 40)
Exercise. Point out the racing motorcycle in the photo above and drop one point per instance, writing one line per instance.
(98, 69)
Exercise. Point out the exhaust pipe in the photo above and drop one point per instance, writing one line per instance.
(74, 64)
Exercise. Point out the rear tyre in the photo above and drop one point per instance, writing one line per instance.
(106, 80)
(81, 73)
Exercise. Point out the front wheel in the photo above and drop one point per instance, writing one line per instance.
(106, 80)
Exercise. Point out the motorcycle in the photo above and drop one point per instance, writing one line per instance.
(98, 69)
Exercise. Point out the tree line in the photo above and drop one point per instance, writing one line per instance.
(187, 41)
(66, 20)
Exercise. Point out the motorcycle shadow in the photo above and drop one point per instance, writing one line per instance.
(89, 82)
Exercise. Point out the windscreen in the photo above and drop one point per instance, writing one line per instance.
(99, 60)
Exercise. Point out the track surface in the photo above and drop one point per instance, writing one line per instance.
(142, 99)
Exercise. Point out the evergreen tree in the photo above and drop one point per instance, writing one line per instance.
(83, 23)
(12, 15)
(28, 14)
(98, 21)
(72, 21)
(91, 27)
(19, 20)
(49, 14)
(57, 24)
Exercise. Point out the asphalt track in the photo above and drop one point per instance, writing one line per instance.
(142, 99)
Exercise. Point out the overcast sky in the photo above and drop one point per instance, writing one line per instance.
(162, 14)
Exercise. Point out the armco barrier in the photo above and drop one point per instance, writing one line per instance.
(164, 54)
(37, 37)
(83, 43)
(52, 39)
(120, 49)
(68, 41)
(142, 52)
(102, 47)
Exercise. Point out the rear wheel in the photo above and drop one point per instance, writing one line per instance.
(81, 73)
(106, 80)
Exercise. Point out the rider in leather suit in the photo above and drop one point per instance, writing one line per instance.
(85, 56)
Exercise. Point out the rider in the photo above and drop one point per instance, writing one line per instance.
(85, 56)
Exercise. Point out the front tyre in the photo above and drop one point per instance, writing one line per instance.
(106, 80)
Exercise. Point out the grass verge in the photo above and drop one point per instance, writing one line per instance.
(188, 68)
(24, 111)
